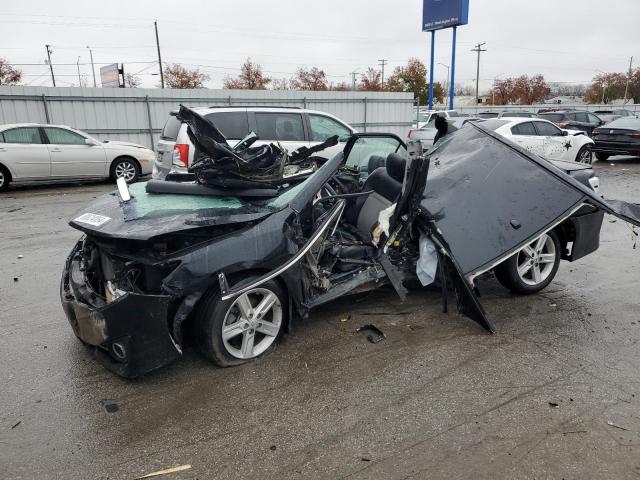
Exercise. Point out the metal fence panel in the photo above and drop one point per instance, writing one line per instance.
(138, 115)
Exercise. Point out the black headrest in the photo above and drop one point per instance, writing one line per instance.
(375, 161)
(396, 165)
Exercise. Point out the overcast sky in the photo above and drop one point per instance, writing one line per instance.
(566, 40)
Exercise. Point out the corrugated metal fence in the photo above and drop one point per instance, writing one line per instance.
(138, 115)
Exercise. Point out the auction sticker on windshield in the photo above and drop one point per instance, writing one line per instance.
(92, 219)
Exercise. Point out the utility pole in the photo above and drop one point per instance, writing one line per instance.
(604, 89)
(79, 79)
(49, 52)
(353, 80)
(478, 49)
(93, 69)
(626, 89)
(383, 62)
(155, 24)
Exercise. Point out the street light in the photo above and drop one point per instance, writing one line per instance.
(448, 78)
(493, 90)
(93, 69)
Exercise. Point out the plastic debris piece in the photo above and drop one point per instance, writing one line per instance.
(554, 405)
(611, 424)
(20, 256)
(109, 405)
(273, 448)
(376, 336)
(16, 424)
(181, 468)
(345, 319)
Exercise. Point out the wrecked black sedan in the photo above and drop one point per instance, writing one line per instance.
(232, 255)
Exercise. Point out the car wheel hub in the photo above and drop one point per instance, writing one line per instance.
(126, 170)
(585, 157)
(1, 179)
(252, 323)
(536, 260)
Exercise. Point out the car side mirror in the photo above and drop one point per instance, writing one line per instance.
(344, 138)
(564, 133)
(91, 142)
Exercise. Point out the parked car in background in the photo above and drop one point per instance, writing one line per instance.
(292, 127)
(427, 133)
(573, 119)
(425, 117)
(488, 114)
(544, 138)
(32, 152)
(610, 115)
(620, 137)
(516, 114)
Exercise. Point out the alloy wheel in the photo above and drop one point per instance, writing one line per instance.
(586, 156)
(2, 179)
(252, 323)
(127, 170)
(536, 260)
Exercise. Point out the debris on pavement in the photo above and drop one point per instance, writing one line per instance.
(376, 336)
(345, 319)
(20, 257)
(611, 424)
(109, 405)
(273, 448)
(554, 405)
(181, 468)
(16, 424)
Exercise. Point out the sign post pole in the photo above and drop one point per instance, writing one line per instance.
(453, 70)
(433, 43)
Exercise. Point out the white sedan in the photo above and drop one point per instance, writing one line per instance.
(32, 152)
(544, 138)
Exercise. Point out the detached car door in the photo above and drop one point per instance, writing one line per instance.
(284, 127)
(322, 127)
(525, 135)
(24, 152)
(72, 157)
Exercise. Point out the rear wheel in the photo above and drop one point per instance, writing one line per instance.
(243, 328)
(126, 168)
(532, 268)
(602, 157)
(5, 178)
(585, 155)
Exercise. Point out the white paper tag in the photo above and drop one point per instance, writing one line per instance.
(92, 219)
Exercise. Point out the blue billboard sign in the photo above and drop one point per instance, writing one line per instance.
(438, 14)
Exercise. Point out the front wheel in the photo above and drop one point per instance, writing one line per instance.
(243, 328)
(602, 157)
(585, 155)
(5, 179)
(126, 168)
(532, 268)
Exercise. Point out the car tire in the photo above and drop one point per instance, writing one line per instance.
(602, 157)
(125, 167)
(585, 155)
(5, 178)
(255, 333)
(542, 257)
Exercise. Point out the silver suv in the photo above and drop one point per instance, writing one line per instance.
(292, 127)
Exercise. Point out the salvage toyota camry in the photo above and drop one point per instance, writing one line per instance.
(234, 253)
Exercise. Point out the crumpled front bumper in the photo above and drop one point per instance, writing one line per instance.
(131, 334)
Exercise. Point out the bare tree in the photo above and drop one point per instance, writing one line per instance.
(280, 84)
(250, 78)
(177, 76)
(132, 81)
(370, 81)
(8, 74)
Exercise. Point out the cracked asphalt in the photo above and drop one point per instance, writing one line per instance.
(554, 394)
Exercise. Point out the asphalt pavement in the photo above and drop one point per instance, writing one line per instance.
(554, 394)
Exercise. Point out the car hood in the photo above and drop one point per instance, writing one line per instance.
(488, 197)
